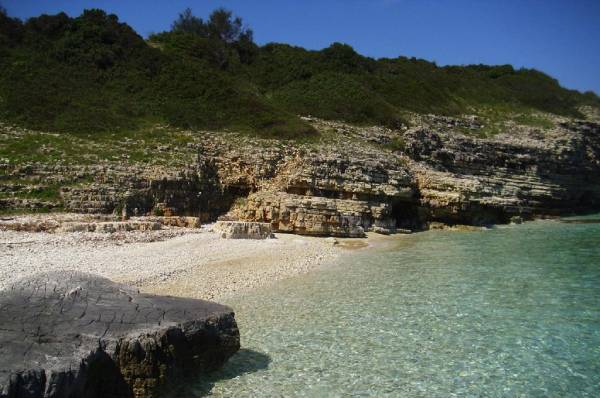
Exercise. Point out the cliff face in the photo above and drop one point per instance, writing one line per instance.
(335, 191)
(440, 176)
(474, 181)
(355, 179)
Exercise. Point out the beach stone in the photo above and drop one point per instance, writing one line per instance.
(243, 230)
(71, 334)
(516, 220)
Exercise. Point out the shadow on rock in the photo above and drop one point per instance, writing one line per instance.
(243, 362)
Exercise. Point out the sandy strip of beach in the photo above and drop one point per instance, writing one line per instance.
(186, 262)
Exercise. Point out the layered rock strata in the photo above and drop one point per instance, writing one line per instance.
(475, 181)
(436, 177)
(68, 334)
(357, 179)
(309, 215)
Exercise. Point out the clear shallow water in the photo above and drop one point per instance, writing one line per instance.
(512, 311)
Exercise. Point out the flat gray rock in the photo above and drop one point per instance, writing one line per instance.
(68, 334)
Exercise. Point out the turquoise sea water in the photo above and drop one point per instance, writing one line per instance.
(509, 312)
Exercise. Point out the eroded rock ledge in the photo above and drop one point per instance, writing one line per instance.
(68, 334)
(354, 180)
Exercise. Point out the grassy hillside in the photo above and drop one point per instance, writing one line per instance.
(339, 83)
(92, 74)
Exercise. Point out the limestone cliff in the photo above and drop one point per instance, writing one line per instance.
(475, 181)
(439, 175)
(353, 180)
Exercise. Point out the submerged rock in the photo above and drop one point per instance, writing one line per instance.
(68, 334)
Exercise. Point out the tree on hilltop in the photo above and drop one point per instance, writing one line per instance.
(221, 25)
(224, 35)
(187, 22)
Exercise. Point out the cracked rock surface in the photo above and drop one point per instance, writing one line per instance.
(71, 334)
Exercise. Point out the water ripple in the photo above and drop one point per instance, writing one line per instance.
(512, 311)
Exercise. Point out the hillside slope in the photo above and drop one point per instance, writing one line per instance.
(93, 73)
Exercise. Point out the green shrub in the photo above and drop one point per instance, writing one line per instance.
(93, 74)
(534, 121)
(396, 144)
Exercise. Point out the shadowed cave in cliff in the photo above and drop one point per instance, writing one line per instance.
(407, 215)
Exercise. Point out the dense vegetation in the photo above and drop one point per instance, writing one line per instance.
(93, 73)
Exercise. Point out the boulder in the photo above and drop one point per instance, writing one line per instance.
(243, 230)
(316, 216)
(68, 334)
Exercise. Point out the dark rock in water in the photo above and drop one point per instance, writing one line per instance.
(67, 334)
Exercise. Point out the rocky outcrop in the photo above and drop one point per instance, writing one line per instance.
(309, 215)
(28, 205)
(74, 222)
(138, 191)
(243, 230)
(475, 181)
(68, 334)
(109, 227)
(439, 176)
(330, 189)
(356, 179)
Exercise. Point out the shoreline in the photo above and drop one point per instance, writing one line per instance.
(178, 261)
(186, 262)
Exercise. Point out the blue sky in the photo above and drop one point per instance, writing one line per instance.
(561, 38)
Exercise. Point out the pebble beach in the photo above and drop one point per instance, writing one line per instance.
(190, 262)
